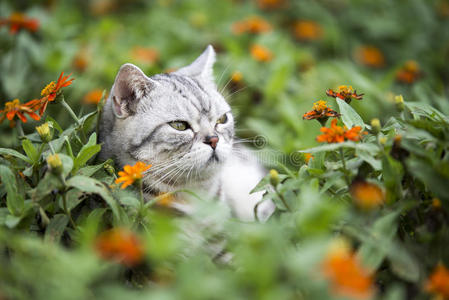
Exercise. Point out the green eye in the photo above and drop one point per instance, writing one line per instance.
(223, 119)
(179, 125)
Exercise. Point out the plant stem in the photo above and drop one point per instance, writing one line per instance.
(67, 212)
(52, 150)
(142, 202)
(345, 170)
(282, 199)
(69, 110)
(20, 130)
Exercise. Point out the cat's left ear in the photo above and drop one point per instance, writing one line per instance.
(202, 67)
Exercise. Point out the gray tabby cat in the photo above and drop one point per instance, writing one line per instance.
(182, 125)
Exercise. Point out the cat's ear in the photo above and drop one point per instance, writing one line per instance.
(130, 86)
(202, 67)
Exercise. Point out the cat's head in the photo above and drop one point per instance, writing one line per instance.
(178, 122)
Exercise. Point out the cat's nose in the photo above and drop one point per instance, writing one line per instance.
(211, 140)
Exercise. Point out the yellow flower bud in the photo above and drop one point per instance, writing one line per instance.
(44, 132)
(55, 163)
(399, 100)
(274, 177)
(375, 125)
(383, 140)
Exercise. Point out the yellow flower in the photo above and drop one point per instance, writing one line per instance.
(131, 174)
(55, 163)
(320, 112)
(320, 105)
(274, 177)
(44, 132)
(346, 93)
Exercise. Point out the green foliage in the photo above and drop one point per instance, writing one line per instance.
(51, 218)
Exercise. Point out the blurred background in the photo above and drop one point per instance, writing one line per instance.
(275, 57)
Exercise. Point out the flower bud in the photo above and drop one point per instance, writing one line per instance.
(55, 163)
(399, 101)
(375, 125)
(109, 169)
(383, 140)
(44, 132)
(274, 177)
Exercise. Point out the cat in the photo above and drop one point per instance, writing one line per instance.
(181, 124)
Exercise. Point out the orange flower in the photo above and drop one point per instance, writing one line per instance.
(260, 53)
(438, 282)
(166, 199)
(409, 73)
(436, 203)
(19, 21)
(347, 276)
(93, 97)
(52, 90)
(236, 76)
(321, 112)
(253, 24)
(367, 195)
(145, 55)
(130, 174)
(308, 157)
(345, 92)
(270, 4)
(370, 56)
(307, 30)
(15, 108)
(120, 245)
(81, 60)
(338, 134)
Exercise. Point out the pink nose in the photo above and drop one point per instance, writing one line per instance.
(211, 140)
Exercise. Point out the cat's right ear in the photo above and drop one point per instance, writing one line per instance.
(130, 86)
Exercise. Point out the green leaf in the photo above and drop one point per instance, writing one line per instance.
(14, 200)
(48, 184)
(56, 228)
(54, 124)
(67, 164)
(11, 152)
(392, 176)
(30, 151)
(348, 115)
(87, 152)
(330, 147)
(91, 170)
(374, 251)
(90, 185)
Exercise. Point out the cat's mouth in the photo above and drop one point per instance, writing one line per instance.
(213, 158)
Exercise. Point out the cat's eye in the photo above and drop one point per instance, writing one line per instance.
(179, 125)
(223, 119)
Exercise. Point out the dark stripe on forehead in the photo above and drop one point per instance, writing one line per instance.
(195, 89)
(135, 147)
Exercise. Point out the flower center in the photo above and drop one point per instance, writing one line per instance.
(48, 89)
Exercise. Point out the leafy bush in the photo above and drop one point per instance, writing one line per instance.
(361, 215)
